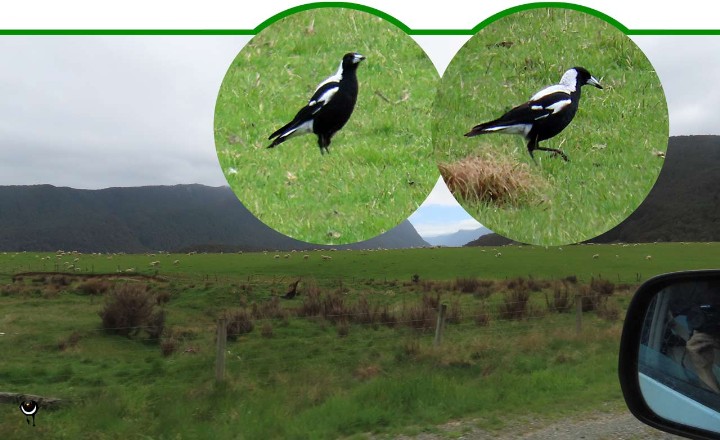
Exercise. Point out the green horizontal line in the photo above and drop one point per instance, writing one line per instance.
(251, 32)
(367, 9)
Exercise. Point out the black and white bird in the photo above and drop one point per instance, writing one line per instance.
(328, 109)
(29, 408)
(545, 115)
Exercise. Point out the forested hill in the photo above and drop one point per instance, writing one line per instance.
(147, 218)
(684, 204)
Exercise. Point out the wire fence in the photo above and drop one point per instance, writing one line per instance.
(432, 314)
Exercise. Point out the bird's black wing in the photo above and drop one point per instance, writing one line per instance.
(323, 94)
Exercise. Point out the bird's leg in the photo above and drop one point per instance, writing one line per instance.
(323, 142)
(532, 144)
(554, 150)
(33, 419)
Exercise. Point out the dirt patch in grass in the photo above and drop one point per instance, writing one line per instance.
(492, 180)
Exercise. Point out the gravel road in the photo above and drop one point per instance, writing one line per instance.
(603, 426)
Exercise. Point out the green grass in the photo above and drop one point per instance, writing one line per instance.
(305, 381)
(610, 143)
(619, 263)
(380, 167)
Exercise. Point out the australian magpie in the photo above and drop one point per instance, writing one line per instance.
(29, 408)
(328, 109)
(546, 114)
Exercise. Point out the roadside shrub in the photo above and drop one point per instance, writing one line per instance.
(602, 287)
(453, 314)
(94, 286)
(409, 349)
(481, 316)
(343, 328)
(480, 288)
(311, 302)
(130, 309)
(562, 299)
(269, 309)
(609, 311)
(387, 318)
(515, 303)
(572, 279)
(168, 346)
(421, 316)
(364, 312)
(596, 294)
(466, 285)
(69, 342)
(266, 331)
(156, 325)
(333, 307)
(535, 286)
(239, 322)
(162, 297)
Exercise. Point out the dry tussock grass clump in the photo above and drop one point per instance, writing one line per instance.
(492, 180)
(239, 322)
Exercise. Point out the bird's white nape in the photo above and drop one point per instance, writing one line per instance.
(569, 79)
(333, 78)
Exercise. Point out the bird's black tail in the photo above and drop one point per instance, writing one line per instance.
(279, 134)
(479, 129)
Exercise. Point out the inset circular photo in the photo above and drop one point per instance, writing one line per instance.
(550, 126)
(322, 125)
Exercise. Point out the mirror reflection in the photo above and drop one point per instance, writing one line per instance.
(679, 359)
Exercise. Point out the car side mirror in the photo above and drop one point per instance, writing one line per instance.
(669, 362)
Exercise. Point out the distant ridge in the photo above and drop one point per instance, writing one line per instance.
(148, 218)
(459, 238)
(683, 205)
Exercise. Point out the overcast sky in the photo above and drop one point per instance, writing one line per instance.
(100, 111)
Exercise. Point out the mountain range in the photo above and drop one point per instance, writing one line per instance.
(147, 219)
(459, 238)
(682, 206)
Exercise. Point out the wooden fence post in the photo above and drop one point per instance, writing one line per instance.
(440, 325)
(578, 313)
(220, 355)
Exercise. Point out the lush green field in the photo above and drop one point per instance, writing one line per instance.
(296, 376)
(618, 263)
(611, 143)
(380, 167)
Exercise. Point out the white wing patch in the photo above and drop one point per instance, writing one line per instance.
(557, 106)
(325, 97)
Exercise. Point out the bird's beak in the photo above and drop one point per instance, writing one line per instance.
(593, 82)
(357, 58)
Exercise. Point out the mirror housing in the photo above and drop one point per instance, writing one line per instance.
(664, 384)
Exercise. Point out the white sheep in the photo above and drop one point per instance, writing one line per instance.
(596, 256)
